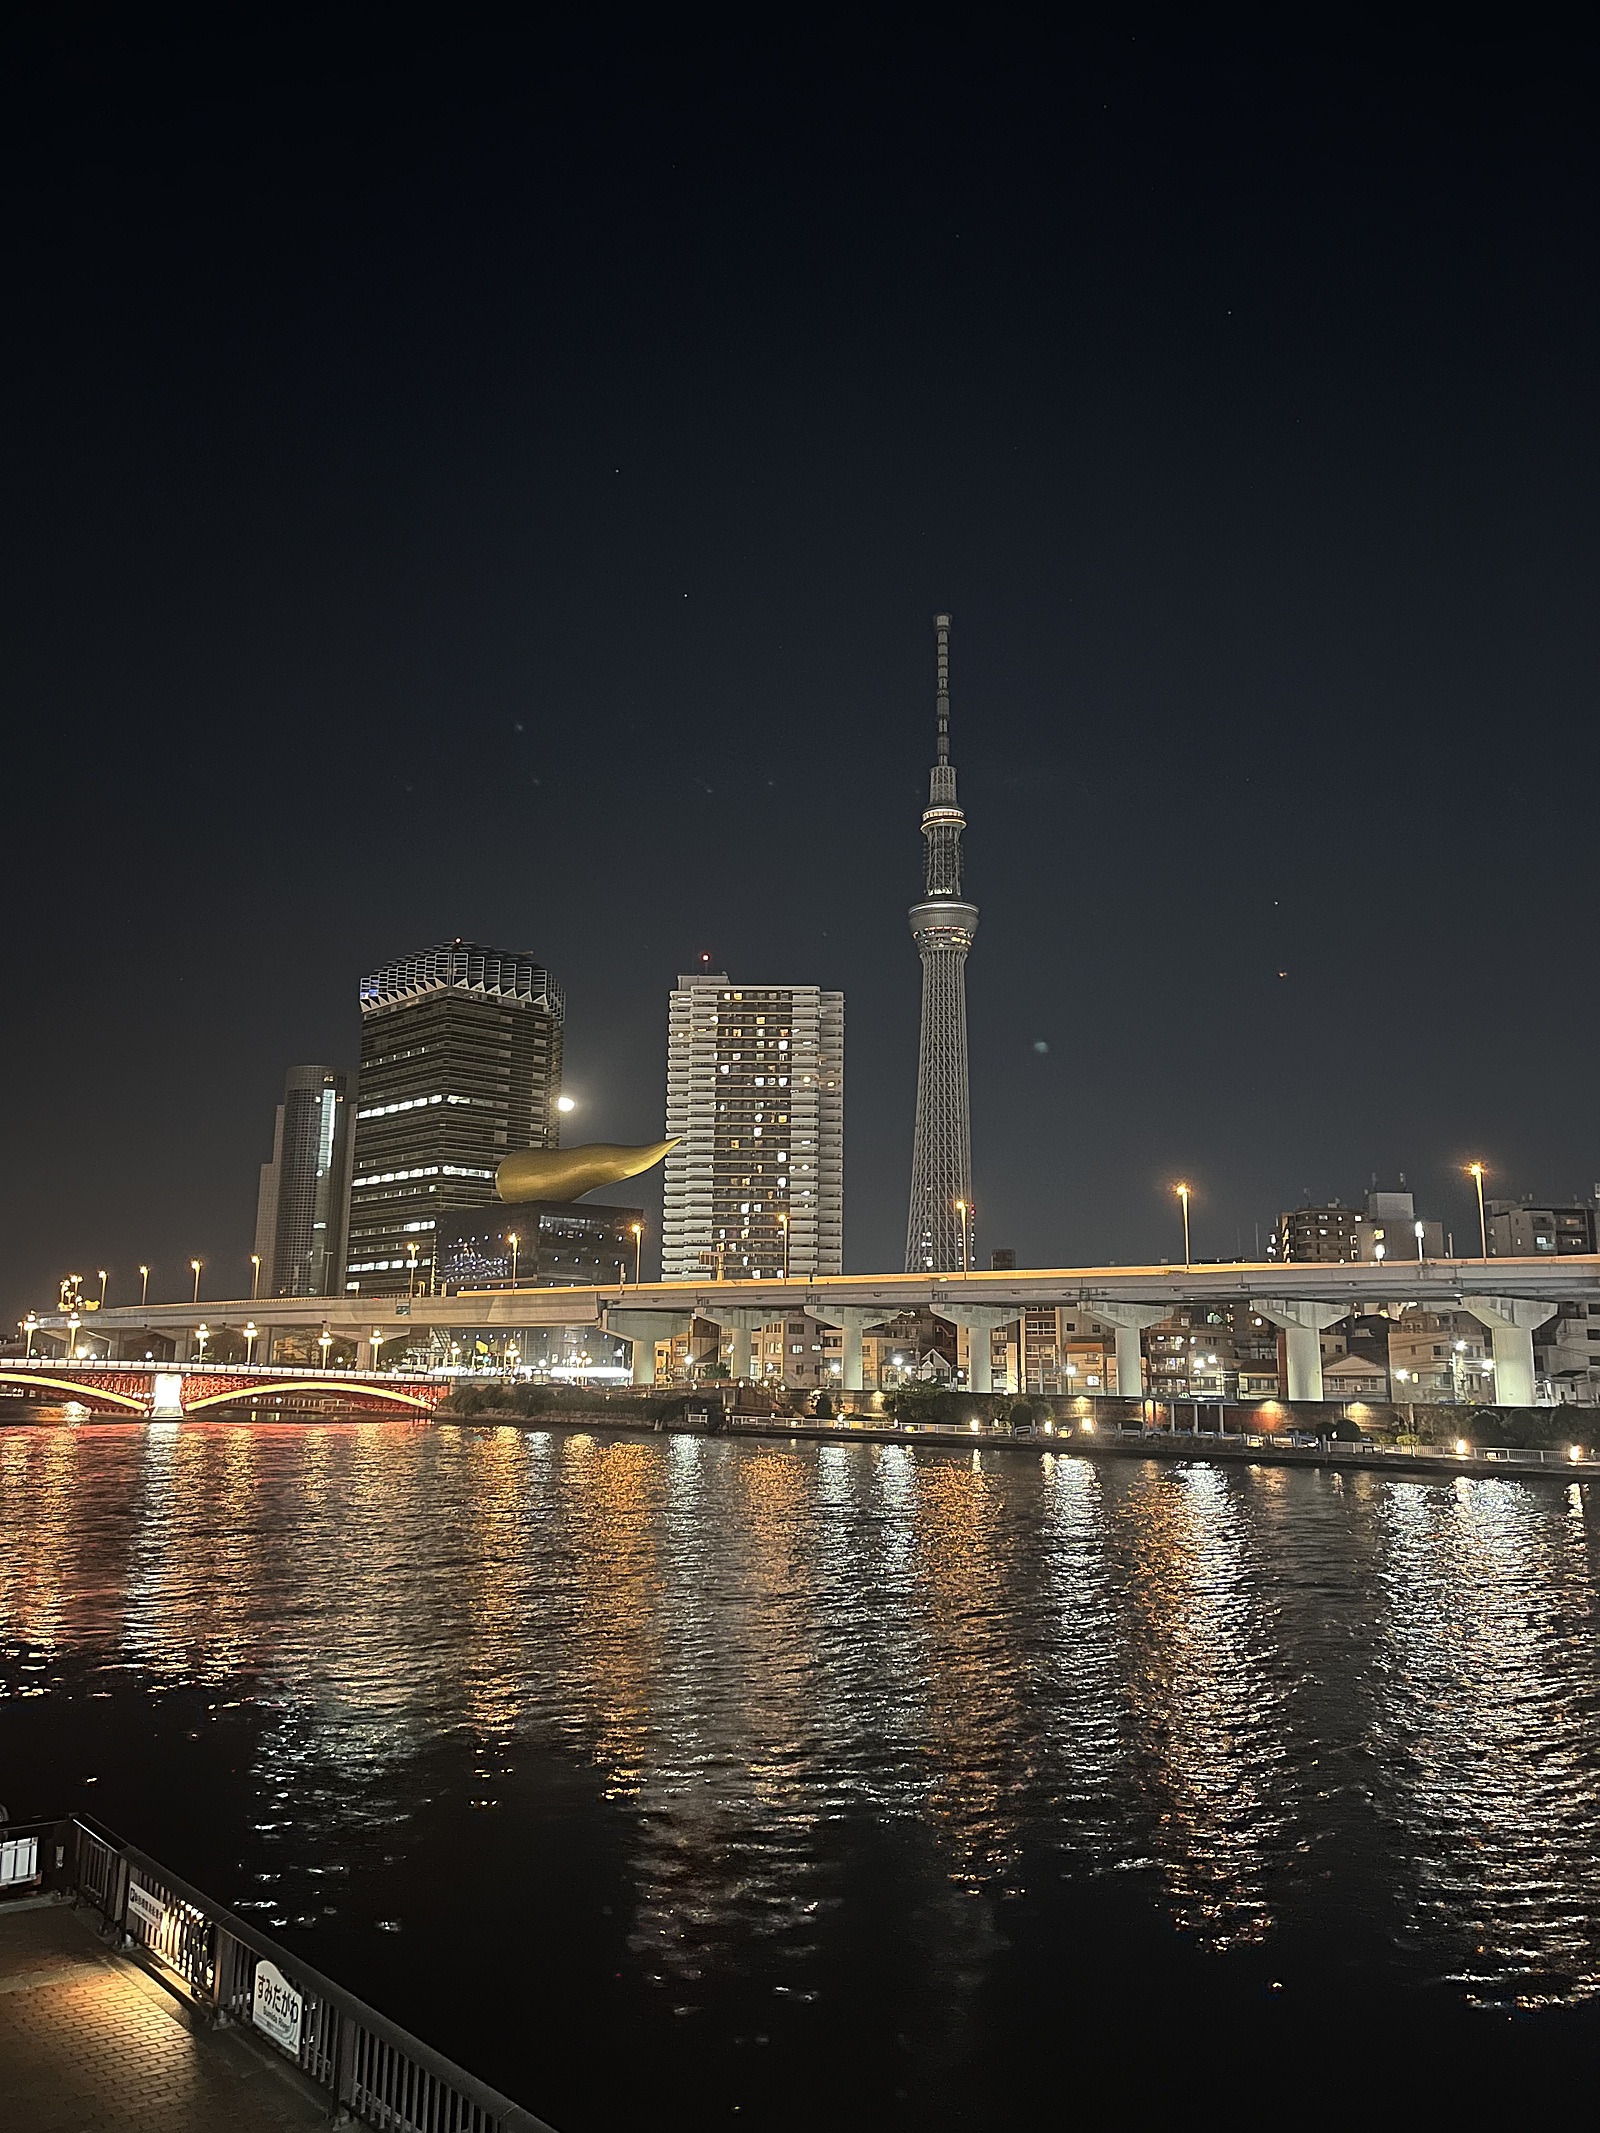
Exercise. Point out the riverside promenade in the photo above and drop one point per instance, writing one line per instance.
(90, 2040)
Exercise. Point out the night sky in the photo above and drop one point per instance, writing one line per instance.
(464, 481)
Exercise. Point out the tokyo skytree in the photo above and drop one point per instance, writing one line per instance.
(943, 924)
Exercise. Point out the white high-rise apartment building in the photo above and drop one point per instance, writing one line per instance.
(755, 1089)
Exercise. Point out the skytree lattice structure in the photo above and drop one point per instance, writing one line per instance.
(943, 924)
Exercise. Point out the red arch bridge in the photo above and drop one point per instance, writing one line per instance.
(169, 1391)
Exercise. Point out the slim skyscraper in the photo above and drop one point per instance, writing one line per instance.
(460, 1065)
(755, 1094)
(943, 924)
(305, 1189)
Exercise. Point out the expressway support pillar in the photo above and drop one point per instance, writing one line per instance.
(852, 1323)
(1511, 1320)
(979, 1321)
(738, 1321)
(1303, 1325)
(643, 1329)
(1128, 1322)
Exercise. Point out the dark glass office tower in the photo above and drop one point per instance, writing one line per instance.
(305, 1189)
(460, 1064)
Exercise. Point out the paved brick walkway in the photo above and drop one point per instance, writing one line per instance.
(90, 2044)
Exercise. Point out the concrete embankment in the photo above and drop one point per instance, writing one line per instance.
(1441, 1464)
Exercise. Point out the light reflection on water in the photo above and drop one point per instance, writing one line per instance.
(1259, 1696)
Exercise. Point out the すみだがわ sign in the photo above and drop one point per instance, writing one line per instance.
(277, 2008)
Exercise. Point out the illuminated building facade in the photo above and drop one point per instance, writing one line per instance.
(556, 1246)
(460, 1065)
(755, 1093)
(303, 1199)
(938, 1236)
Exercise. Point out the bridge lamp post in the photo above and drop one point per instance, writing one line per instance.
(377, 1345)
(74, 1352)
(202, 1334)
(1420, 1234)
(1475, 1172)
(255, 1275)
(30, 1326)
(964, 1210)
(195, 1263)
(102, 1274)
(783, 1224)
(411, 1261)
(1183, 1194)
(144, 1286)
(513, 1240)
(638, 1251)
(250, 1339)
(324, 1342)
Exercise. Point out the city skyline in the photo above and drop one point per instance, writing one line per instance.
(613, 641)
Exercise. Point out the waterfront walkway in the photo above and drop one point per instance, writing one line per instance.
(91, 2043)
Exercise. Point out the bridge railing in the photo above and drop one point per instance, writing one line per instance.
(211, 1368)
(372, 2070)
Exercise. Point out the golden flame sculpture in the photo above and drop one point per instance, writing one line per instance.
(567, 1173)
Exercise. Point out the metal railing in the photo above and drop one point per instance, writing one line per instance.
(212, 1368)
(373, 2071)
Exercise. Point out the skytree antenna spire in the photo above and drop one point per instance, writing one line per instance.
(943, 923)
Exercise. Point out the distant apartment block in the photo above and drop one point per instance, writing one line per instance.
(755, 1093)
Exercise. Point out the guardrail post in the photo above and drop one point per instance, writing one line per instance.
(224, 1961)
(344, 2069)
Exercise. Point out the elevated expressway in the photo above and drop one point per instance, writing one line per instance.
(1509, 1296)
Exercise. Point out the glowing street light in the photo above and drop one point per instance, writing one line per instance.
(513, 1240)
(964, 1210)
(783, 1224)
(377, 1345)
(102, 1273)
(1420, 1234)
(1475, 1172)
(196, 1265)
(255, 1274)
(30, 1326)
(324, 1342)
(202, 1334)
(144, 1286)
(638, 1249)
(1183, 1194)
(73, 1350)
(250, 1338)
(411, 1261)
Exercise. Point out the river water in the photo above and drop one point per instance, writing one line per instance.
(764, 1784)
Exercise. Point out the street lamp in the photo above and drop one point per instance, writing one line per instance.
(1475, 1172)
(412, 1263)
(964, 1210)
(250, 1339)
(202, 1334)
(255, 1274)
(1183, 1194)
(324, 1342)
(512, 1240)
(1420, 1234)
(144, 1286)
(102, 1274)
(638, 1249)
(30, 1326)
(196, 1265)
(74, 1352)
(783, 1224)
(377, 1345)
